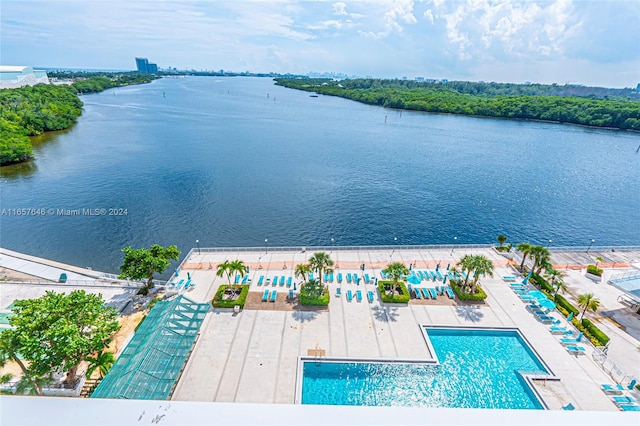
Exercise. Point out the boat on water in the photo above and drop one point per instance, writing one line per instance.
(313, 96)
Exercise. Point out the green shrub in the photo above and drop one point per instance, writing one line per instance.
(384, 286)
(595, 332)
(593, 269)
(479, 295)
(564, 303)
(539, 281)
(312, 299)
(219, 301)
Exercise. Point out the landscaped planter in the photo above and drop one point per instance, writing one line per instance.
(593, 277)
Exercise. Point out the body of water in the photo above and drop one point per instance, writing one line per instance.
(232, 161)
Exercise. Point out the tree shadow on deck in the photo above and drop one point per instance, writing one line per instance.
(387, 314)
(470, 313)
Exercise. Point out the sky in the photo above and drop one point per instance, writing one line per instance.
(595, 43)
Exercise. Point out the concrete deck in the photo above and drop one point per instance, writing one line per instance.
(235, 352)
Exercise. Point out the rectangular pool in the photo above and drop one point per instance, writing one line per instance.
(476, 368)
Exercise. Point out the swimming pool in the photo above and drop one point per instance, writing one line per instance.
(475, 368)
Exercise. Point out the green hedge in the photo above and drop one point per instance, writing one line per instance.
(561, 301)
(542, 283)
(479, 295)
(593, 269)
(322, 300)
(594, 332)
(219, 302)
(396, 298)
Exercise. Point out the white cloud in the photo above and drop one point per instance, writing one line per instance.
(339, 8)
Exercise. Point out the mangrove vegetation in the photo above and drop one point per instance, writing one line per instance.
(32, 110)
(598, 107)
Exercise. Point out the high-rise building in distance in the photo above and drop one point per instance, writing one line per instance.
(143, 65)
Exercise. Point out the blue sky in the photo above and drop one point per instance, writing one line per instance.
(563, 41)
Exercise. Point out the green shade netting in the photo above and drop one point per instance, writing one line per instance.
(152, 361)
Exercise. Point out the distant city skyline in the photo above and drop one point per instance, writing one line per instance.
(594, 43)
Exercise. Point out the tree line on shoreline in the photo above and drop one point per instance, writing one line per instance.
(606, 108)
(32, 110)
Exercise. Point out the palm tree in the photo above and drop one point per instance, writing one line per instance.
(466, 264)
(396, 271)
(225, 268)
(238, 267)
(502, 239)
(9, 352)
(588, 301)
(481, 266)
(598, 260)
(321, 262)
(102, 363)
(525, 249)
(556, 280)
(541, 257)
(302, 270)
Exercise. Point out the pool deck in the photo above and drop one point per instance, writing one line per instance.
(252, 356)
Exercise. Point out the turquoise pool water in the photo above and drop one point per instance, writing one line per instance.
(478, 369)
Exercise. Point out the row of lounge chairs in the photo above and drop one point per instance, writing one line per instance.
(182, 284)
(357, 296)
(623, 402)
(282, 280)
(270, 298)
(432, 293)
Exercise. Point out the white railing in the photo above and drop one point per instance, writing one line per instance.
(625, 276)
(79, 283)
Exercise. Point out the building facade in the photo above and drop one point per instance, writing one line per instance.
(12, 77)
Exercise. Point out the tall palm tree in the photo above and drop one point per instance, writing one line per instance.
(525, 249)
(588, 301)
(501, 239)
(553, 274)
(225, 268)
(302, 270)
(598, 260)
(396, 271)
(559, 286)
(321, 262)
(482, 265)
(541, 257)
(102, 363)
(238, 267)
(466, 264)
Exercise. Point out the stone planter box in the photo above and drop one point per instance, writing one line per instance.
(594, 278)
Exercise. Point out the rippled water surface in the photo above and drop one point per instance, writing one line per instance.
(233, 161)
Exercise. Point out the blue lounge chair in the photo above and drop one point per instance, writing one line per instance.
(629, 407)
(291, 295)
(425, 293)
(282, 278)
(244, 280)
(355, 278)
(274, 281)
(338, 292)
(571, 342)
(433, 293)
(617, 389)
(366, 279)
(383, 275)
(417, 293)
(326, 277)
(349, 277)
(261, 280)
(274, 294)
(575, 350)
(569, 407)
(544, 319)
(359, 295)
(370, 296)
(509, 277)
(310, 276)
(339, 277)
(623, 400)
(559, 330)
(237, 281)
(450, 293)
(289, 281)
(265, 296)
(330, 278)
(349, 296)
(439, 275)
